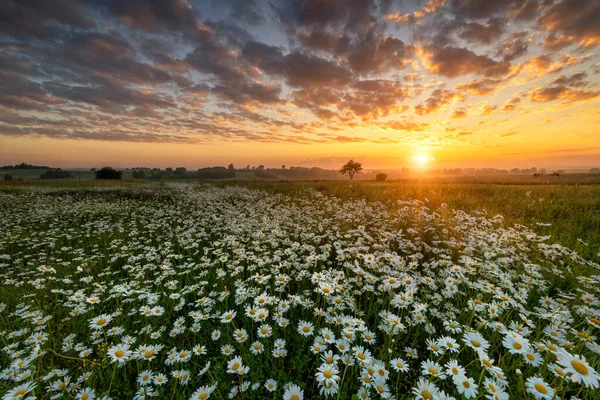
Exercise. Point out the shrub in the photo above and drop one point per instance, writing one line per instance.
(380, 177)
(108, 173)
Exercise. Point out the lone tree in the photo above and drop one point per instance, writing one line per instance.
(106, 173)
(351, 167)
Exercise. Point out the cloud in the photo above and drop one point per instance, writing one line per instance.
(452, 62)
(249, 94)
(304, 70)
(299, 71)
(152, 15)
(567, 89)
(480, 33)
(519, 9)
(459, 113)
(30, 18)
(574, 18)
(438, 99)
(482, 86)
(512, 104)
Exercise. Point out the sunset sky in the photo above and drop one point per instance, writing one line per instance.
(502, 83)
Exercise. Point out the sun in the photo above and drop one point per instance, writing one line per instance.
(422, 159)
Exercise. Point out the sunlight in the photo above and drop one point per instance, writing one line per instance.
(422, 159)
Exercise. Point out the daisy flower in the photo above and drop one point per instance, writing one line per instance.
(119, 353)
(203, 392)
(579, 369)
(399, 365)
(539, 389)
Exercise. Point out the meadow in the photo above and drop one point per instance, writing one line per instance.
(299, 290)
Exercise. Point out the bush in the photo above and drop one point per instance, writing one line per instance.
(380, 177)
(107, 173)
(138, 174)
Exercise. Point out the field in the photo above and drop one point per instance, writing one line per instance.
(299, 290)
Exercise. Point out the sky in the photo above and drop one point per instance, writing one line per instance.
(458, 83)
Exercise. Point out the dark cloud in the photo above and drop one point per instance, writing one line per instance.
(247, 11)
(563, 93)
(567, 89)
(346, 14)
(151, 15)
(108, 95)
(480, 33)
(304, 70)
(25, 18)
(249, 94)
(455, 61)
(556, 42)
(513, 48)
(481, 9)
(574, 18)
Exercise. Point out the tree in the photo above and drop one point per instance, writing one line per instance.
(230, 167)
(351, 167)
(106, 173)
(180, 172)
(8, 178)
(283, 166)
(138, 174)
(380, 177)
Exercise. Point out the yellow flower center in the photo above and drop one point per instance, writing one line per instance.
(235, 366)
(580, 367)
(203, 395)
(541, 388)
(517, 346)
(149, 354)
(101, 322)
(305, 329)
(120, 353)
(466, 384)
(432, 371)
(426, 395)
(294, 397)
(20, 392)
(475, 343)
(327, 374)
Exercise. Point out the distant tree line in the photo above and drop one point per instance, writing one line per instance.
(24, 166)
(56, 173)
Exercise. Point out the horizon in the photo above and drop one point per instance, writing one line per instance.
(441, 84)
